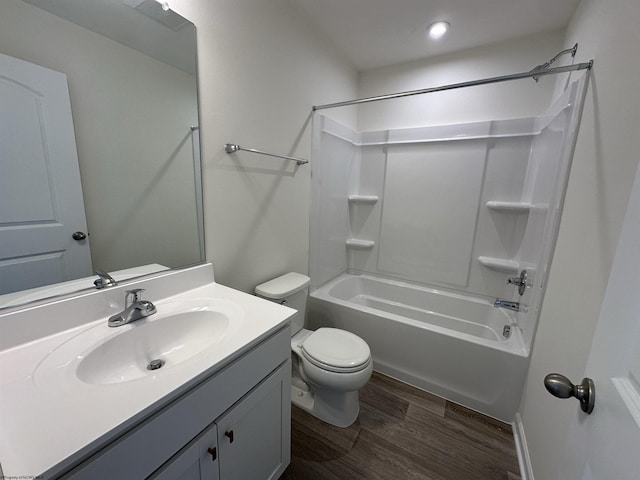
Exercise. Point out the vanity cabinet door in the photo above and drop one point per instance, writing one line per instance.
(198, 460)
(251, 441)
(254, 437)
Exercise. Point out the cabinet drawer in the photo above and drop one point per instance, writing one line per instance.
(144, 448)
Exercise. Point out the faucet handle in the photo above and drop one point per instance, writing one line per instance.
(135, 294)
(521, 282)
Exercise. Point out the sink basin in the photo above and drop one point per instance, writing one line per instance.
(142, 349)
(172, 339)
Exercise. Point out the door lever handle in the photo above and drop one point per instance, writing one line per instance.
(561, 387)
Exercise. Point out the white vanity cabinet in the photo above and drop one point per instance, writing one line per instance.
(250, 441)
(233, 425)
(198, 460)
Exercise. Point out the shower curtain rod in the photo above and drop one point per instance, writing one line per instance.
(536, 72)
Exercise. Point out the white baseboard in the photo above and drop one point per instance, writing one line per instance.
(526, 472)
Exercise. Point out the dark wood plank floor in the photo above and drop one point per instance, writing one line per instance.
(402, 433)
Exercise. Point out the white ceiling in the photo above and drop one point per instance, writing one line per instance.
(375, 33)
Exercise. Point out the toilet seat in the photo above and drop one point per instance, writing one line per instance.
(336, 350)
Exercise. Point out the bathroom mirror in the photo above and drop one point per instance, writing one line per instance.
(130, 72)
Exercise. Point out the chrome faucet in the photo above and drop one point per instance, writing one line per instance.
(105, 280)
(520, 281)
(515, 306)
(134, 308)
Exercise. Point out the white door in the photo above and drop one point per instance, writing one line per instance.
(41, 203)
(606, 444)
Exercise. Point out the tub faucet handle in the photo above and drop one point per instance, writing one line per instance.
(520, 281)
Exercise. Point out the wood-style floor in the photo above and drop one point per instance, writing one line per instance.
(402, 433)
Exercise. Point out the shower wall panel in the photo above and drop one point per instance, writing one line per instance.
(334, 173)
(546, 184)
(431, 201)
(506, 144)
(432, 220)
(365, 219)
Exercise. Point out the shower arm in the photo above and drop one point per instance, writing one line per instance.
(544, 66)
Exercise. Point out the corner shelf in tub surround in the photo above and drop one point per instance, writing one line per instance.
(509, 207)
(359, 244)
(362, 199)
(500, 264)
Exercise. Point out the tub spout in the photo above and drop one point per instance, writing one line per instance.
(515, 306)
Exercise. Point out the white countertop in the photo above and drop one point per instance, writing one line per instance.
(48, 425)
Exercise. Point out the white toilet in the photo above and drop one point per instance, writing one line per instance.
(329, 365)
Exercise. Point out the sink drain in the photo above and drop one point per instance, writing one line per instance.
(155, 364)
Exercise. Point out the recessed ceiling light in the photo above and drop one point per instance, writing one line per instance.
(438, 29)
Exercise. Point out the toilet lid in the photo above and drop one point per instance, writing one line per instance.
(336, 350)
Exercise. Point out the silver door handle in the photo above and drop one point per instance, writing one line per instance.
(561, 387)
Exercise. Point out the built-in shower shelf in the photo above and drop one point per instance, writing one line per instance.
(509, 207)
(500, 264)
(359, 244)
(363, 199)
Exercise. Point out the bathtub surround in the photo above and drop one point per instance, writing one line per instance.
(457, 208)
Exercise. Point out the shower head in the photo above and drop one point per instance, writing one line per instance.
(546, 65)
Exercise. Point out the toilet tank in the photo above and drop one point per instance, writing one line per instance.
(291, 290)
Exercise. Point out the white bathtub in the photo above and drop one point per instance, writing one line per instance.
(448, 344)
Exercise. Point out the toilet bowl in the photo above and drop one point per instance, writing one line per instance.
(329, 365)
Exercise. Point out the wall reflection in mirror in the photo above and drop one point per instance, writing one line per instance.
(99, 145)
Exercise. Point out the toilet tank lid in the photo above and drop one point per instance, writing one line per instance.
(283, 286)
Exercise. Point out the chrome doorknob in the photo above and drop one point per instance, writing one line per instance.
(561, 387)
